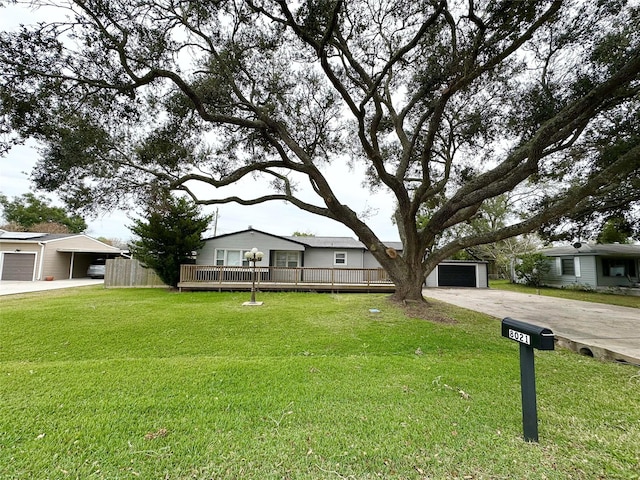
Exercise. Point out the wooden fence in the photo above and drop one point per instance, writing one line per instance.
(124, 272)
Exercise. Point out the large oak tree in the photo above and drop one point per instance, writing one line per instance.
(447, 103)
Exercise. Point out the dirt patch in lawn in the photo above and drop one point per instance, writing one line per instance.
(430, 311)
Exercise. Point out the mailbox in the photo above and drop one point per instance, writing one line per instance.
(529, 337)
(527, 334)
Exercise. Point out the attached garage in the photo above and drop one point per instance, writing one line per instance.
(457, 273)
(18, 266)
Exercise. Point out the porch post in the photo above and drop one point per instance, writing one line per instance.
(73, 257)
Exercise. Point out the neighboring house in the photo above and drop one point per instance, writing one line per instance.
(337, 253)
(594, 266)
(32, 256)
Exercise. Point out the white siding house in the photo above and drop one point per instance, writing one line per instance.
(594, 266)
(229, 249)
(348, 259)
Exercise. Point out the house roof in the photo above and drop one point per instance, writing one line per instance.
(315, 242)
(337, 242)
(291, 239)
(327, 242)
(35, 237)
(606, 250)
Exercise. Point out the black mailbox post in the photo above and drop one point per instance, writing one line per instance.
(529, 337)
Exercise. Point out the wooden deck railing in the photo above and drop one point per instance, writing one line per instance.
(218, 274)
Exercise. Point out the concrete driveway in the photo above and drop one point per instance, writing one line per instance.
(11, 287)
(603, 331)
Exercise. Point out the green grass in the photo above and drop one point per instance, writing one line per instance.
(125, 384)
(585, 296)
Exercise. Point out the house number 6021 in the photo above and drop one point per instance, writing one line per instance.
(519, 337)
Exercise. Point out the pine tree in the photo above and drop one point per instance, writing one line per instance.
(169, 235)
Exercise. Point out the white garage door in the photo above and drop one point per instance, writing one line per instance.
(18, 266)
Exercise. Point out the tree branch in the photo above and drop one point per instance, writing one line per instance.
(627, 164)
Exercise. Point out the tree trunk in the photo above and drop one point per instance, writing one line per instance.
(409, 283)
(407, 270)
(409, 290)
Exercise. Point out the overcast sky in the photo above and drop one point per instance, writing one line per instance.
(274, 217)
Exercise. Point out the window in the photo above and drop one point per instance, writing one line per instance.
(232, 258)
(339, 258)
(618, 267)
(287, 259)
(568, 267)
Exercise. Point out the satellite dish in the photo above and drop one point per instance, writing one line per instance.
(577, 245)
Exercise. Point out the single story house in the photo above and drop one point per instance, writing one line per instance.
(30, 256)
(344, 256)
(593, 266)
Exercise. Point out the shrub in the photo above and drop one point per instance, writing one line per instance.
(532, 268)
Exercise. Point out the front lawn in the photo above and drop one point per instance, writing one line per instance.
(125, 384)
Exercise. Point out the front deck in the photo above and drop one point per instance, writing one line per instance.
(218, 277)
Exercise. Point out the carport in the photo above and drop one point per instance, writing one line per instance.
(80, 259)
